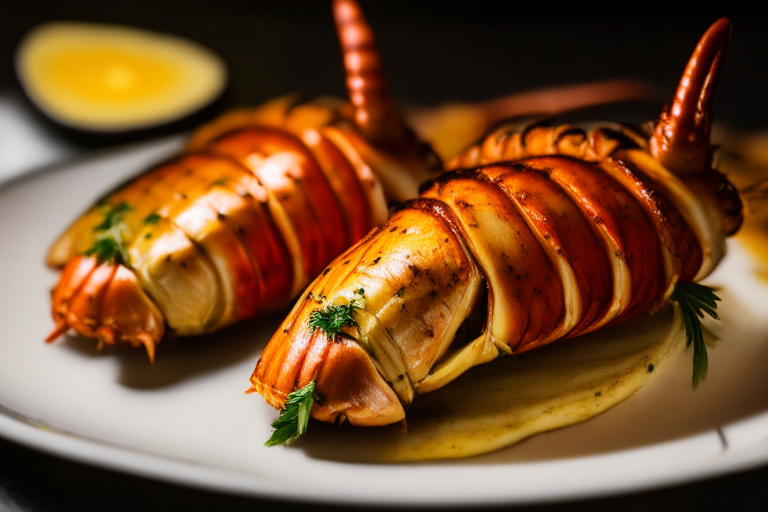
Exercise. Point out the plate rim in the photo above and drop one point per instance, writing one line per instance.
(35, 434)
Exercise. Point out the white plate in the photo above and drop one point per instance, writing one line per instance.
(186, 419)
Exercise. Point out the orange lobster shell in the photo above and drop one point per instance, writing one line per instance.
(239, 223)
(541, 232)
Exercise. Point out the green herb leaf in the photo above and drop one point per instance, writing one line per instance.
(294, 416)
(152, 218)
(109, 244)
(113, 216)
(105, 249)
(332, 319)
(109, 247)
(695, 300)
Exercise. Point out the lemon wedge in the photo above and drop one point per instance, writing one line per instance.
(112, 78)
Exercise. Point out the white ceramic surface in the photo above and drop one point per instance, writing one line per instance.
(24, 143)
(186, 419)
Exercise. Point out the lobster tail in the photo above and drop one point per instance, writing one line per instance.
(376, 114)
(539, 234)
(415, 280)
(237, 225)
(680, 141)
(105, 301)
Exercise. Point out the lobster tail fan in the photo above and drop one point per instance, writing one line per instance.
(376, 114)
(681, 138)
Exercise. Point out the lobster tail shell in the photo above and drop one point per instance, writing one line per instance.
(680, 141)
(105, 301)
(235, 226)
(418, 280)
(238, 224)
(540, 233)
(376, 114)
(351, 387)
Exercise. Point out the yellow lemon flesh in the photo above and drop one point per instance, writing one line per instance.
(113, 78)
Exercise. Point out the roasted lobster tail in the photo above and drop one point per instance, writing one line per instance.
(239, 223)
(542, 232)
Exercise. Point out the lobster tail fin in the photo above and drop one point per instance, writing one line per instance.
(376, 114)
(681, 138)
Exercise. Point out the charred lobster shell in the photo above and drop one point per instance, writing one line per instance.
(541, 232)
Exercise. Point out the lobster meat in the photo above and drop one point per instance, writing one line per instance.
(256, 206)
(539, 233)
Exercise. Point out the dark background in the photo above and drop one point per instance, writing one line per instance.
(433, 51)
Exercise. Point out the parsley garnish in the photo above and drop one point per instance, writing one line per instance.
(108, 248)
(332, 319)
(113, 216)
(152, 218)
(109, 244)
(695, 300)
(294, 416)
